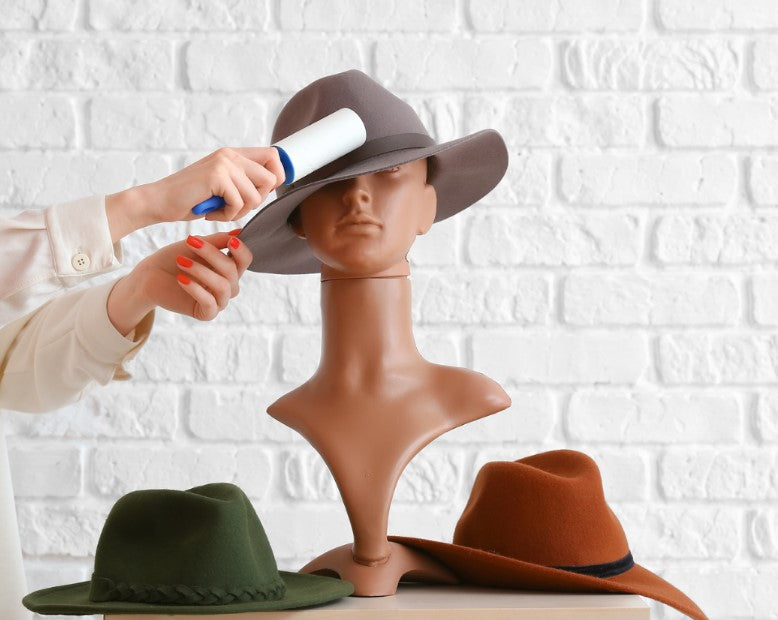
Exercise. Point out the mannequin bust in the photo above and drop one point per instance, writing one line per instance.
(374, 402)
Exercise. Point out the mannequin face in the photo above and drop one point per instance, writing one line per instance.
(367, 224)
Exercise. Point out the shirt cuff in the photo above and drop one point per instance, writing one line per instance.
(100, 338)
(80, 239)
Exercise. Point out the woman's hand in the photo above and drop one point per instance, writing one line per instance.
(191, 277)
(242, 176)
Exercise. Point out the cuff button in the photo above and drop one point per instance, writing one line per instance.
(80, 261)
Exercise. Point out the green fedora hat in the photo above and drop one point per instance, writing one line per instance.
(201, 551)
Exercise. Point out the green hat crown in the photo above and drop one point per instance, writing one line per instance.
(203, 546)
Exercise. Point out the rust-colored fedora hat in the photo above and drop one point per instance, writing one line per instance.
(541, 523)
(465, 169)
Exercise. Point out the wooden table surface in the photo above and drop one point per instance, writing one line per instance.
(423, 602)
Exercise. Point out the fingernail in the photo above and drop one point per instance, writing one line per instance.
(182, 278)
(234, 243)
(194, 242)
(234, 232)
(184, 261)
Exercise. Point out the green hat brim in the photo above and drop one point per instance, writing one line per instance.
(73, 599)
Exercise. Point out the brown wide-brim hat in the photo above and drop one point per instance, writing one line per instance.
(542, 523)
(464, 171)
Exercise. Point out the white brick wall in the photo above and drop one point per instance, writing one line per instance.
(621, 281)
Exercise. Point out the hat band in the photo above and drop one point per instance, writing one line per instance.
(376, 146)
(105, 589)
(607, 569)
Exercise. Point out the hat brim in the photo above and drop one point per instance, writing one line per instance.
(467, 169)
(474, 566)
(301, 591)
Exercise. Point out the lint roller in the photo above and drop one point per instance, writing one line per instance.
(309, 149)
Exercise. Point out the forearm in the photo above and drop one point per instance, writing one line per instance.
(129, 210)
(50, 357)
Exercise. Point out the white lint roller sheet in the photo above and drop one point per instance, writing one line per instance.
(320, 143)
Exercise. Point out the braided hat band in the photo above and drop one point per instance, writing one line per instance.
(106, 589)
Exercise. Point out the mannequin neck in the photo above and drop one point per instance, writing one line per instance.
(367, 328)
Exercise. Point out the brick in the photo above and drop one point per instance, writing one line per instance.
(351, 15)
(439, 247)
(73, 176)
(594, 120)
(441, 114)
(300, 355)
(647, 179)
(646, 65)
(467, 297)
(689, 532)
(46, 472)
(565, 16)
(526, 182)
(765, 299)
(115, 410)
(236, 414)
(34, 121)
(469, 64)
(641, 417)
(508, 239)
(301, 532)
(762, 183)
(61, 529)
(728, 590)
(767, 417)
(216, 65)
(439, 347)
(86, 64)
(717, 14)
(710, 359)
(433, 476)
(117, 470)
(764, 63)
(25, 15)
(716, 240)
(763, 533)
(171, 122)
(205, 354)
(46, 576)
(560, 357)
(604, 299)
(272, 299)
(718, 474)
(530, 418)
(222, 15)
(709, 122)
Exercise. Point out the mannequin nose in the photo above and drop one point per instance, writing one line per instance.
(357, 193)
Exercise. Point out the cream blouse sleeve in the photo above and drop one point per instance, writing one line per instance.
(52, 356)
(48, 250)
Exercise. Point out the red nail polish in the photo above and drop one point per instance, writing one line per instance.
(234, 243)
(182, 278)
(184, 261)
(234, 232)
(194, 242)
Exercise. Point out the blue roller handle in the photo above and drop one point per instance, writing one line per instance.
(217, 202)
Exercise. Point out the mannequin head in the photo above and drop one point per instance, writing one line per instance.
(366, 225)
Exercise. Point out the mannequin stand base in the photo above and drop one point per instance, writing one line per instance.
(380, 580)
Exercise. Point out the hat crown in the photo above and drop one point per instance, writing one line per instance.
(547, 509)
(202, 546)
(383, 113)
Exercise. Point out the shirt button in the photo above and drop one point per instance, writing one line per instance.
(80, 261)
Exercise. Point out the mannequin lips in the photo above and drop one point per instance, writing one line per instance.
(358, 222)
